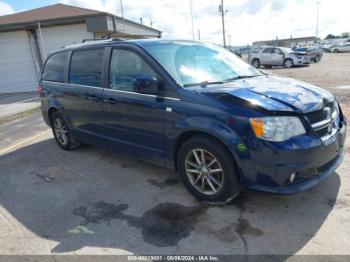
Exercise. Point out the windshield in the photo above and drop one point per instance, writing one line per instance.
(191, 63)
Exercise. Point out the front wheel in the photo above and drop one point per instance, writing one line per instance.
(288, 63)
(62, 133)
(256, 63)
(207, 170)
(317, 59)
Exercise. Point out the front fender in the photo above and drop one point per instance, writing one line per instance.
(215, 128)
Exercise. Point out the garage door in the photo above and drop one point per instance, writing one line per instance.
(56, 37)
(17, 68)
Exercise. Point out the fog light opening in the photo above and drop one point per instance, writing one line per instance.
(292, 178)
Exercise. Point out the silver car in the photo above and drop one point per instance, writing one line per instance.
(269, 56)
(341, 48)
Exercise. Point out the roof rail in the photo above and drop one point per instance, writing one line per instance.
(102, 39)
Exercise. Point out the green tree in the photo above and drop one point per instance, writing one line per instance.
(345, 35)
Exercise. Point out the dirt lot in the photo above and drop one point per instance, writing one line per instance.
(92, 201)
(332, 73)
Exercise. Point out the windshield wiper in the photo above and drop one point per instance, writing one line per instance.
(239, 77)
(204, 83)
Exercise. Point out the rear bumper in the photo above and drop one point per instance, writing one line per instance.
(270, 169)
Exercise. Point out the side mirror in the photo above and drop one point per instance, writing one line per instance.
(146, 85)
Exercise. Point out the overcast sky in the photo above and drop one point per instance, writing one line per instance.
(246, 20)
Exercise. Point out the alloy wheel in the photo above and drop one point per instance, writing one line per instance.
(204, 171)
(288, 63)
(61, 131)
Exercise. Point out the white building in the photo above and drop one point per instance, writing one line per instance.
(26, 38)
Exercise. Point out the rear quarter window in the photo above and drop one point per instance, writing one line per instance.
(86, 67)
(54, 67)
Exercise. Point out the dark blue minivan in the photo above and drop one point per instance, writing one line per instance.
(195, 108)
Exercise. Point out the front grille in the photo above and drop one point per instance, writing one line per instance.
(322, 132)
(316, 116)
(320, 115)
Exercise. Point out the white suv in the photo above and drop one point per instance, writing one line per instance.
(341, 48)
(269, 56)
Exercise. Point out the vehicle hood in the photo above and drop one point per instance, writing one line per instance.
(272, 93)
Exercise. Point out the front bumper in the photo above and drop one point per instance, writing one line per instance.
(269, 169)
(301, 62)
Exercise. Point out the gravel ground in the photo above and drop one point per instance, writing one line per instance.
(332, 73)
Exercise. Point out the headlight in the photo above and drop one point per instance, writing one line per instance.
(277, 129)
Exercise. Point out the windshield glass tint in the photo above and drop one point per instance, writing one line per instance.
(191, 63)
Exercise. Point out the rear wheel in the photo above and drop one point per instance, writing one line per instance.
(207, 170)
(62, 133)
(256, 63)
(288, 63)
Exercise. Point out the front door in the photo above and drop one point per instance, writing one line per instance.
(134, 120)
(277, 57)
(266, 56)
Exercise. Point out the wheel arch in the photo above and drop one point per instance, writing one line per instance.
(50, 111)
(185, 136)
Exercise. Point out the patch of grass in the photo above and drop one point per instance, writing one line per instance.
(19, 115)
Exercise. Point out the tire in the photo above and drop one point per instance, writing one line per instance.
(256, 62)
(288, 63)
(225, 183)
(62, 133)
(317, 59)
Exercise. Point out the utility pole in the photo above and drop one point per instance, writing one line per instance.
(222, 11)
(191, 9)
(122, 9)
(317, 15)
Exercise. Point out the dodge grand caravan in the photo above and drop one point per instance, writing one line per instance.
(196, 108)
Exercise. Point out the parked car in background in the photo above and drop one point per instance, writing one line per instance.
(341, 48)
(269, 56)
(327, 47)
(236, 51)
(314, 53)
(195, 108)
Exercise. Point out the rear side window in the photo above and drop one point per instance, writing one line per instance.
(86, 67)
(54, 68)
